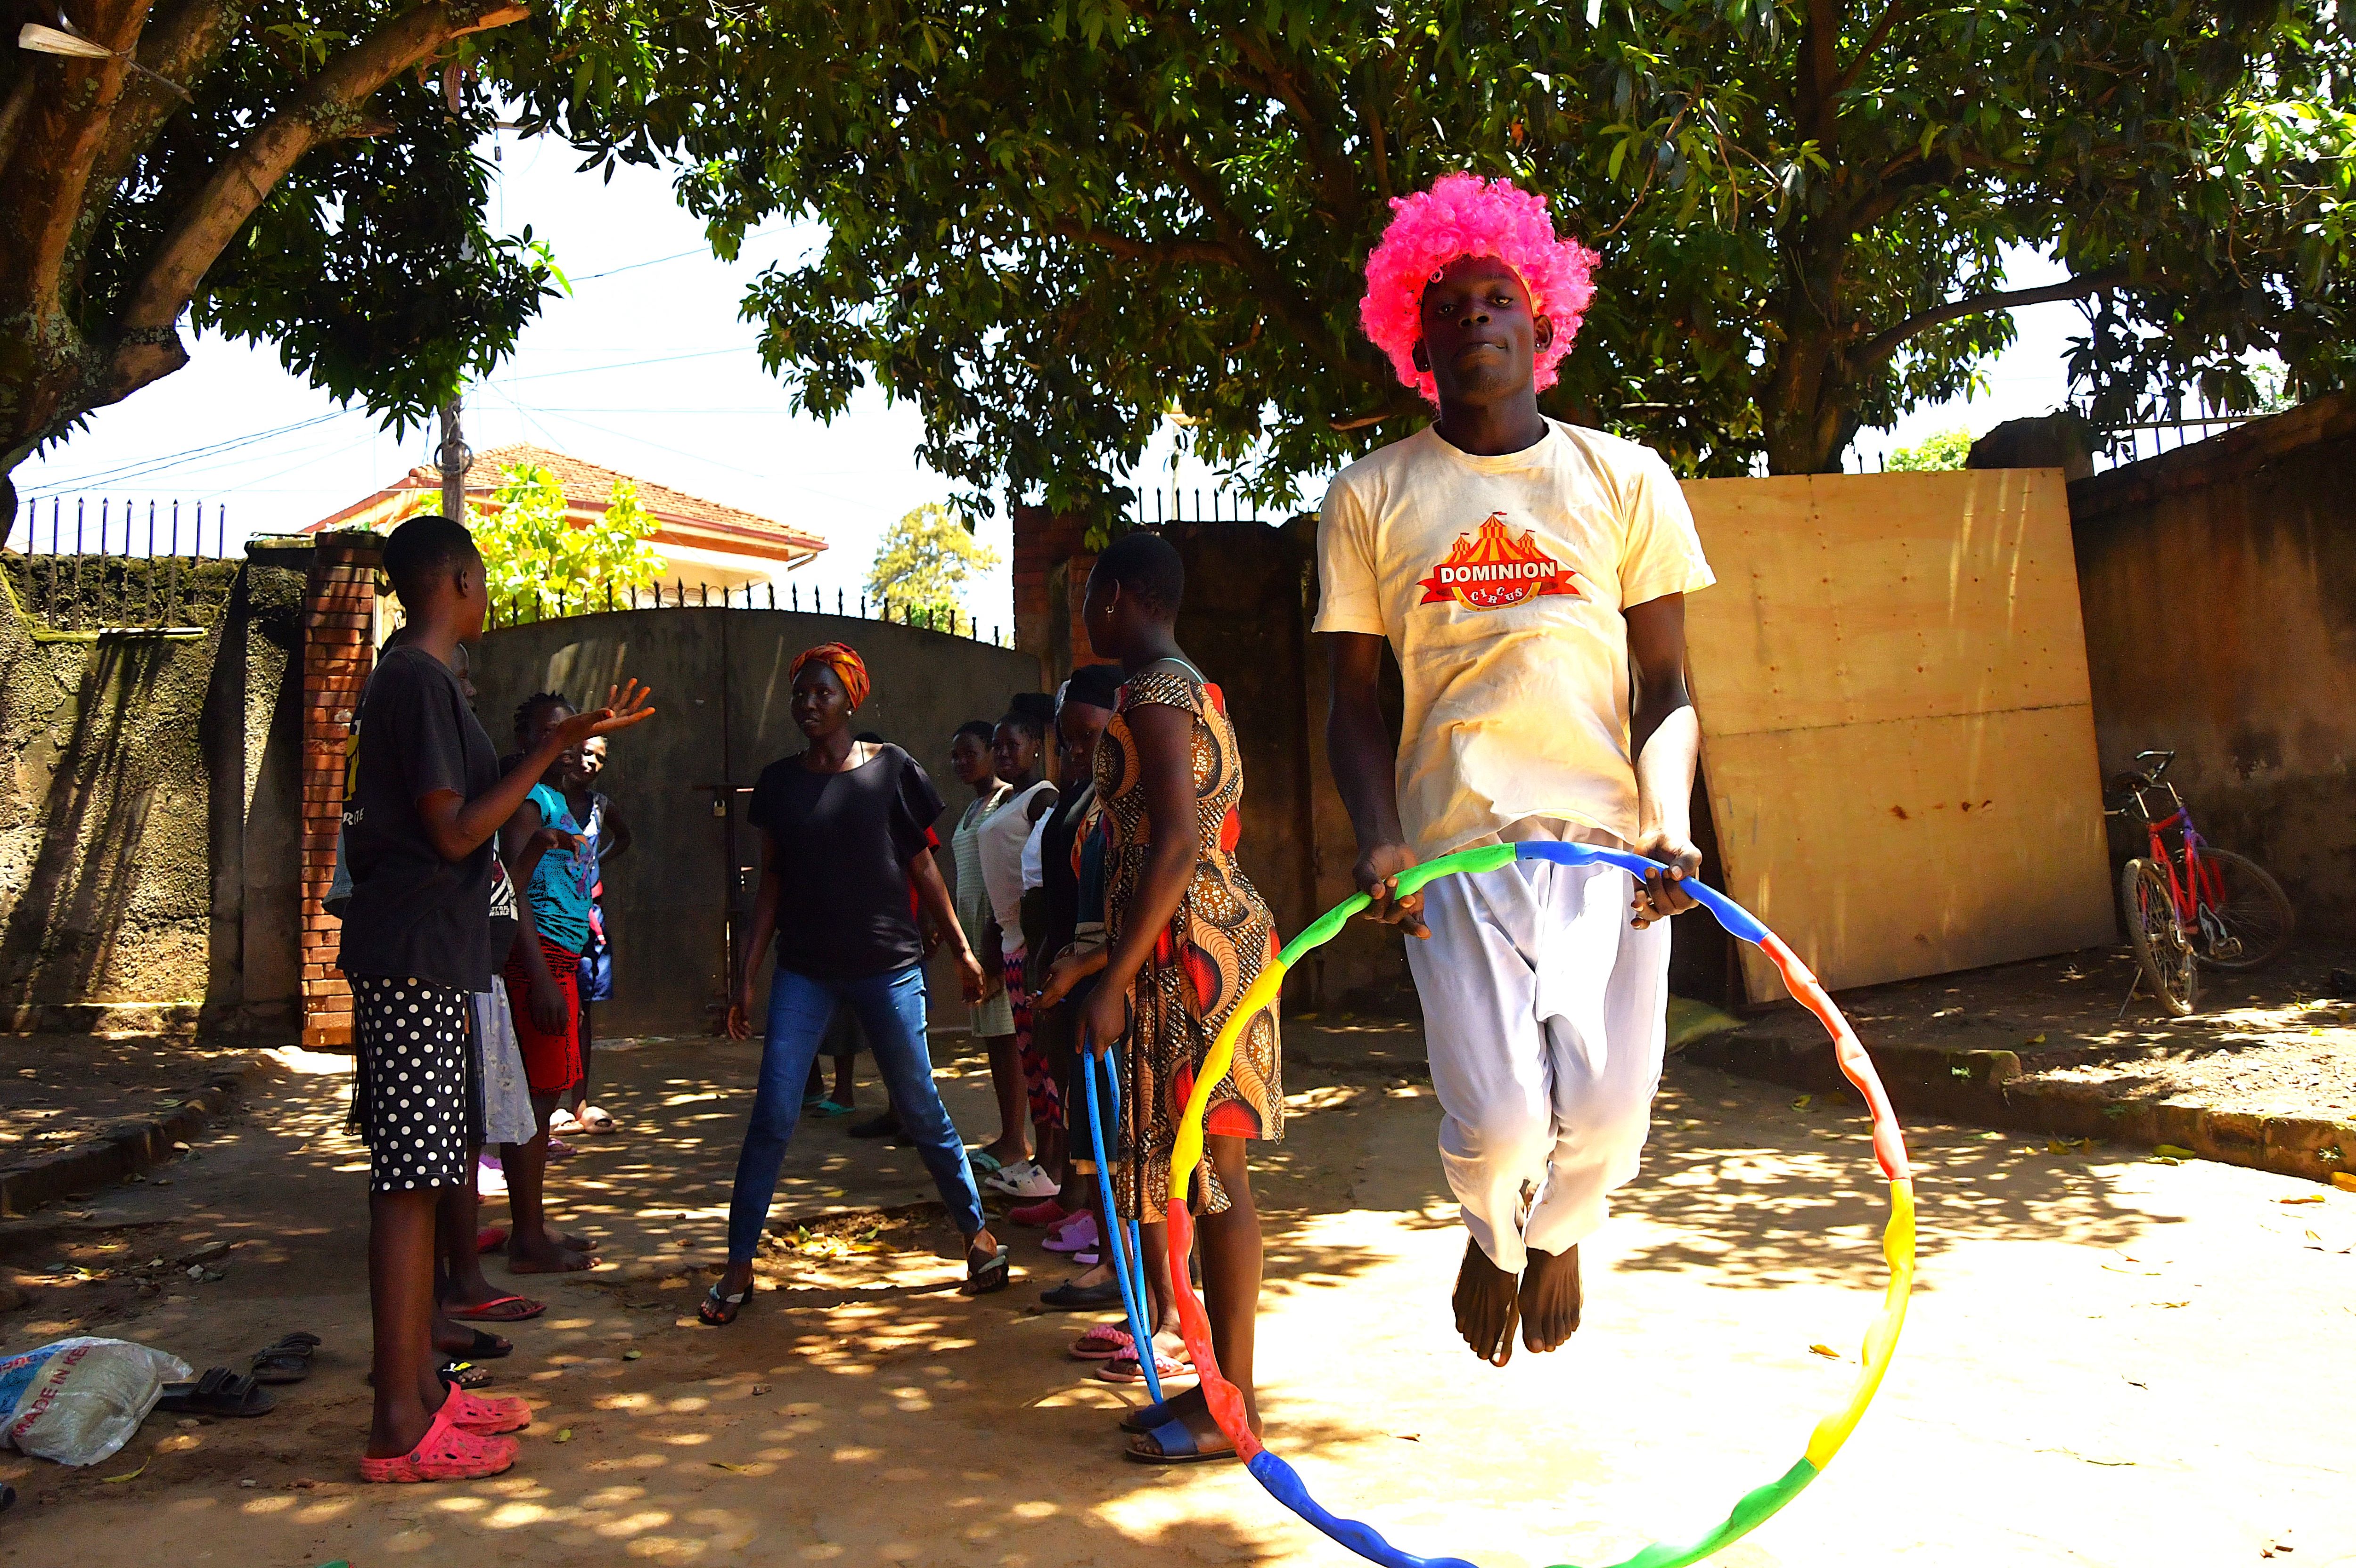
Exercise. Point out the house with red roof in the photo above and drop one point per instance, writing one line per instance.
(704, 543)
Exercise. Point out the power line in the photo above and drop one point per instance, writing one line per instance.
(704, 249)
(145, 465)
(625, 365)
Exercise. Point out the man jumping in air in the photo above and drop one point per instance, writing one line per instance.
(1530, 576)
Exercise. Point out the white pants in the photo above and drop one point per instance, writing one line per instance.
(1545, 1013)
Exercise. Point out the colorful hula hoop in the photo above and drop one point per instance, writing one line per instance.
(1754, 1508)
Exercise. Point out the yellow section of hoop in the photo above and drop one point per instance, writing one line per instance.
(1881, 1337)
(1186, 1146)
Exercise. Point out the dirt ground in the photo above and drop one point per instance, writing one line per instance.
(2109, 1362)
(2280, 1040)
(59, 1089)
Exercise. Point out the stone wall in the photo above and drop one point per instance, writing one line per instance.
(144, 792)
(2218, 586)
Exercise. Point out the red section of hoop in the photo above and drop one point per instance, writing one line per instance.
(1889, 1145)
(1225, 1401)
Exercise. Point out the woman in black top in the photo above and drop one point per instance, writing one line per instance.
(842, 834)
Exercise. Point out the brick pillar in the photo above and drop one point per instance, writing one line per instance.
(339, 612)
(1042, 541)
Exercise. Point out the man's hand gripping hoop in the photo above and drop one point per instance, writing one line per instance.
(1754, 1508)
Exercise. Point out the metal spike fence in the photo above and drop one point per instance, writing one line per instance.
(537, 604)
(118, 563)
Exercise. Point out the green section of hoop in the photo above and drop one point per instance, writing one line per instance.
(1327, 926)
(1755, 1509)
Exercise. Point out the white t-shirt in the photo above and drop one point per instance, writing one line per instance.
(1502, 583)
(1003, 834)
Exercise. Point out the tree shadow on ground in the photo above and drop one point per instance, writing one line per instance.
(1796, 1195)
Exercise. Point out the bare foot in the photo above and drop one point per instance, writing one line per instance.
(1486, 1305)
(545, 1258)
(1006, 1151)
(1550, 1297)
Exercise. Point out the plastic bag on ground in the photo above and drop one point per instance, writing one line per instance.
(77, 1401)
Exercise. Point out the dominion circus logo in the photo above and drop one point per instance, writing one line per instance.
(1491, 570)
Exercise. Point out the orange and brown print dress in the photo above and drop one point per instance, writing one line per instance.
(1217, 944)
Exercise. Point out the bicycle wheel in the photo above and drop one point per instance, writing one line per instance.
(2246, 917)
(2157, 937)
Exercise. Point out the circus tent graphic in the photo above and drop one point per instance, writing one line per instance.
(1493, 568)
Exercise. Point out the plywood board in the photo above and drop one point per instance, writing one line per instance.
(1897, 730)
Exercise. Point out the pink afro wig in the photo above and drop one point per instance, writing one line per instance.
(1464, 214)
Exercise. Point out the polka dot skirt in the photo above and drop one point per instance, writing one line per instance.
(413, 1109)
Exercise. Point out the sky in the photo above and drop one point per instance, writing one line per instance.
(647, 369)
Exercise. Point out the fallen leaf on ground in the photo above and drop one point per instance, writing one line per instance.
(632, 1355)
(2176, 1151)
(732, 1469)
(2037, 1039)
(2302, 1197)
(1803, 1102)
(1408, 1436)
(2165, 1159)
(127, 1475)
(2171, 1303)
(2344, 1179)
(1826, 1352)
(564, 1435)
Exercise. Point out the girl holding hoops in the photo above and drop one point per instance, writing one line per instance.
(1187, 936)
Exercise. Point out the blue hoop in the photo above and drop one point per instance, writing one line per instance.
(1131, 1297)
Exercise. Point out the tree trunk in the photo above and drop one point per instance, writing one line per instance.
(60, 166)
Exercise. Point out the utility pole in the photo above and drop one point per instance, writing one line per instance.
(455, 459)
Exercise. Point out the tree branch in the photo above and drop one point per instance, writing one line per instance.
(1819, 70)
(1340, 181)
(1173, 253)
(178, 47)
(49, 169)
(1276, 294)
(1874, 39)
(328, 107)
(1882, 345)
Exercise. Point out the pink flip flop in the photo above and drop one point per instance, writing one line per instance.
(1101, 1343)
(1126, 1369)
(447, 1453)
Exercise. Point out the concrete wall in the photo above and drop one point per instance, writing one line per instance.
(720, 686)
(2218, 586)
(145, 821)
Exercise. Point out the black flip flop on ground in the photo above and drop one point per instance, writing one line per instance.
(718, 1311)
(465, 1374)
(219, 1392)
(287, 1361)
(488, 1347)
(989, 1277)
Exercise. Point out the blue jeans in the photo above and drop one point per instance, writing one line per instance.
(891, 1008)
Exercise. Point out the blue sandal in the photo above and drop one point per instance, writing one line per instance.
(1138, 1423)
(1176, 1440)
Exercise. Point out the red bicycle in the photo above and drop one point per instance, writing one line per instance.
(2200, 905)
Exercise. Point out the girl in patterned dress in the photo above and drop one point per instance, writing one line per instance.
(1188, 935)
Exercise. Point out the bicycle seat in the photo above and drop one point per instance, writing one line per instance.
(2122, 782)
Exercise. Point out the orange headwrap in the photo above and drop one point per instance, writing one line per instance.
(842, 659)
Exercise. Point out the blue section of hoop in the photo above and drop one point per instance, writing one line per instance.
(1738, 921)
(1132, 1294)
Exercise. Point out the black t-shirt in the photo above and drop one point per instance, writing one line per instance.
(1059, 884)
(844, 842)
(414, 912)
